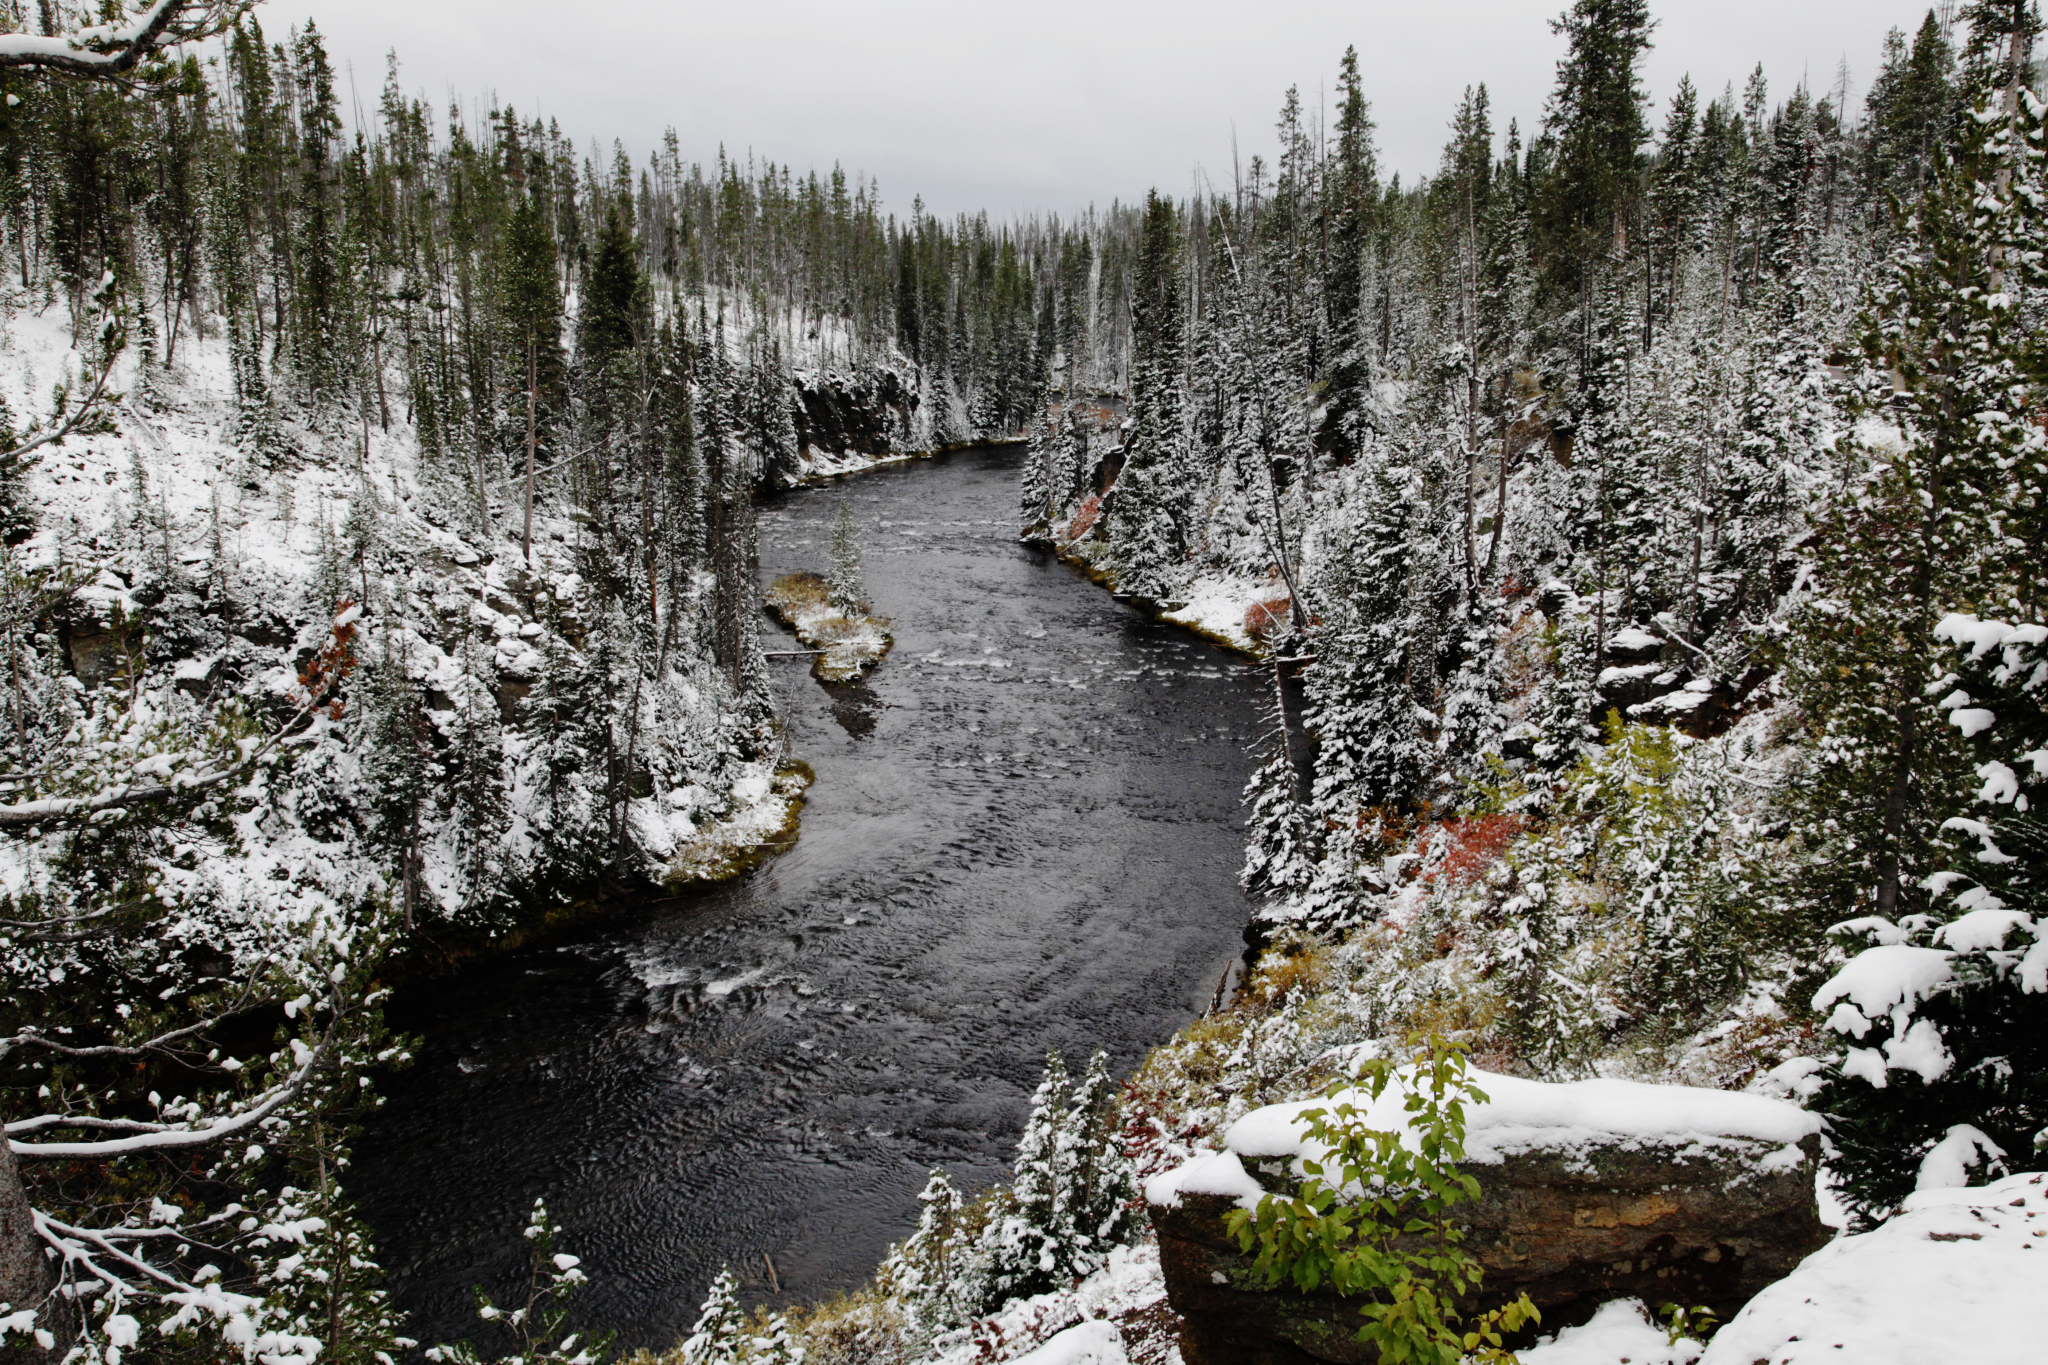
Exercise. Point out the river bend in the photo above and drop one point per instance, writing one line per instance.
(1024, 834)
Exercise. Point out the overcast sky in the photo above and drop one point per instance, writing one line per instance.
(1044, 106)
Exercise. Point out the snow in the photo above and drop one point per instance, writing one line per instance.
(1524, 1115)
(1948, 1163)
(1215, 606)
(1631, 639)
(1981, 929)
(1954, 1277)
(1210, 1173)
(1880, 980)
(81, 46)
(1130, 1283)
(1984, 636)
(1089, 1343)
(1621, 1331)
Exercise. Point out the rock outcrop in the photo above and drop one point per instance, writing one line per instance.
(1569, 1214)
(849, 419)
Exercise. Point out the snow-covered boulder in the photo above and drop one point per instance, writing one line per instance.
(1955, 1277)
(1589, 1191)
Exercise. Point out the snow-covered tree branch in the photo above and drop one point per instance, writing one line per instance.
(111, 49)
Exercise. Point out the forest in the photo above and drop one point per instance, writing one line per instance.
(1640, 521)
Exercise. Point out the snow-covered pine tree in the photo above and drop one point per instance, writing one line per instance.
(773, 1340)
(1372, 754)
(1147, 507)
(1068, 1203)
(931, 1273)
(716, 1339)
(1912, 534)
(537, 1326)
(1022, 1249)
(394, 748)
(479, 811)
(1964, 1053)
(847, 584)
(1283, 839)
(558, 804)
(1036, 506)
(1102, 1202)
(1354, 192)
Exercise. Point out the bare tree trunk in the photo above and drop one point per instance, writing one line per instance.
(532, 437)
(377, 368)
(24, 1270)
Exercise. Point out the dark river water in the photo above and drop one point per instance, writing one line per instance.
(1024, 835)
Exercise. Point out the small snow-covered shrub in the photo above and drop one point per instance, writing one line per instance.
(1944, 1028)
(1945, 1025)
(535, 1328)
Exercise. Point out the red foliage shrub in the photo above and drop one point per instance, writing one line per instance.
(1085, 517)
(1465, 846)
(1264, 620)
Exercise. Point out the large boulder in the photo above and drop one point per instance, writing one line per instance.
(1589, 1191)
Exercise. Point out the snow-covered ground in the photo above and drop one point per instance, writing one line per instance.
(1954, 1277)
(1115, 1316)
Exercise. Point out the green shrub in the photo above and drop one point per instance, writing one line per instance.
(1373, 1218)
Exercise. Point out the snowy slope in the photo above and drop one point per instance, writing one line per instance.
(232, 562)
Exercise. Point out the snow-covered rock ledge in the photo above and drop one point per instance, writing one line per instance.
(763, 823)
(1590, 1191)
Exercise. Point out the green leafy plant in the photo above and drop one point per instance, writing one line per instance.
(1683, 1324)
(1373, 1217)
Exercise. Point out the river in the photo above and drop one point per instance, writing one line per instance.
(1024, 834)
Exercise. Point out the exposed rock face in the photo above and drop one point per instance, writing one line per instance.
(1671, 1224)
(867, 414)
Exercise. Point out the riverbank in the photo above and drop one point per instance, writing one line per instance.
(1233, 614)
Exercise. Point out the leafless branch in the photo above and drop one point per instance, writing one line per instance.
(170, 1139)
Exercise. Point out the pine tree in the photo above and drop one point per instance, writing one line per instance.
(533, 317)
(1966, 1058)
(1354, 193)
(1021, 1250)
(1068, 1204)
(1912, 538)
(716, 1338)
(394, 748)
(774, 1341)
(1100, 1212)
(932, 1272)
(1147, 512)
(1596, 117)
(475, 778)
(848, 585)
(1372, 755)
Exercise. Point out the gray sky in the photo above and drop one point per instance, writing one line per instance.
(1049, 105)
